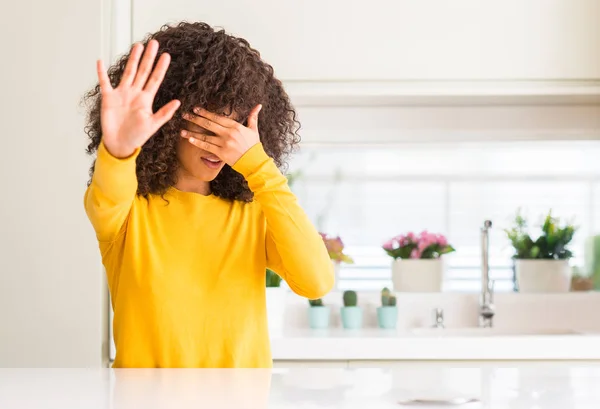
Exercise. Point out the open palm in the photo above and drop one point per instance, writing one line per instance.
(126, 112)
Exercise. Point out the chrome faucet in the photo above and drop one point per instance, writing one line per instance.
(486, 301)
(438, 318)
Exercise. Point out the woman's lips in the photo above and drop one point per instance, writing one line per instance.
(212, 163)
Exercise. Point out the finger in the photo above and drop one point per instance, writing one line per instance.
(163, 115)
(206, 124)
(158, 74)
(103, 80)
(207, 146)
(146, 65)
(218, 119)
(214, 140)
(132, 65)
(253, 118)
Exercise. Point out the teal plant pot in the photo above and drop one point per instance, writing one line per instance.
(352, 317)
(387, 317)
(318, 317)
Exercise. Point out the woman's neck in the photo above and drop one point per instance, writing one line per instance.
(188, 183)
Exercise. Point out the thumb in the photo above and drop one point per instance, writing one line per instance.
(165, 113)
(253, 118)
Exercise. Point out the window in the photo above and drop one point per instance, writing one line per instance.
(367, 194)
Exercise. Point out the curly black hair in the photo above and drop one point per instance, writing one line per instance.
(217, 71)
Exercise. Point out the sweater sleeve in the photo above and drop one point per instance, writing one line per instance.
(294, 248)
(110, 195)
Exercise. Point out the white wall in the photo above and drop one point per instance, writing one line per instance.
(52, 295)
(404, 39)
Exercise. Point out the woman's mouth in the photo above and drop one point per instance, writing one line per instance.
(212, 163)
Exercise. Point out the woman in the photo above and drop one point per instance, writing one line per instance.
(187, 201)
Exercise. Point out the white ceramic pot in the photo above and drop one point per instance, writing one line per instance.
(275, 310)
(416, 275)
(543, 276)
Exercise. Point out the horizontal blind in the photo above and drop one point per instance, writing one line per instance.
(368, 194)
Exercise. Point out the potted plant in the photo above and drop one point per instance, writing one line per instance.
(542, 265)
(335, 248)
(417, 261)
(351, 312)
(318, 314)
(387, 314)
(275, 302)
(592, 260)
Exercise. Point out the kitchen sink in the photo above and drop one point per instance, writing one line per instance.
(489, 332)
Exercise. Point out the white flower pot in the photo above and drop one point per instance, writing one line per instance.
(417, 275)
(543, 276)
(275, 310)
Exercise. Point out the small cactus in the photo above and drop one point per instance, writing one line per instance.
(316, 303)
(387, 298)
(350, 299)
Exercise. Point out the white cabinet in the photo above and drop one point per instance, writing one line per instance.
(396, 40)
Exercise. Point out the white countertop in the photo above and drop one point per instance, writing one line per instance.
(378, 344)
(539, 386)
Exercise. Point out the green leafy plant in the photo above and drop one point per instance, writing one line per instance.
(387, 298)
(551, 243)
(316, 303)
(273, 280)
(350, 299)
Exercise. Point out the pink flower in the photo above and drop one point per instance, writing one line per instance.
(441, 240)
(389, 245)
(410, 235)
(415, 254)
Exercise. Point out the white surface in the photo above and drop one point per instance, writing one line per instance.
(543, 276)
(489, 332)
(539, 386)
(424, 93)
(404, 39)
(52, 296)
(378, 344)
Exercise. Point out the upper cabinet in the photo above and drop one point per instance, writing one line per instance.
(403, 40)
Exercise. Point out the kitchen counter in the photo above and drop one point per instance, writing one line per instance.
(445, 344)
(540, 386)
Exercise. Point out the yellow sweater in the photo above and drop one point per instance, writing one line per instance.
(187, 277)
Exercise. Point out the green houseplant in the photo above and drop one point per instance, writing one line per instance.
(318, 314)
(542, 260)
(387, 314)
(592, 260)
(272, 279)
(351, 312)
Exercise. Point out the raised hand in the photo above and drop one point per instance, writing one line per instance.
(229, 139)
(126, 113)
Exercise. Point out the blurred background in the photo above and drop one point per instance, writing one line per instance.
(415, 115)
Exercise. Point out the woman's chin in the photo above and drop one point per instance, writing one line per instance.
(207, 174)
